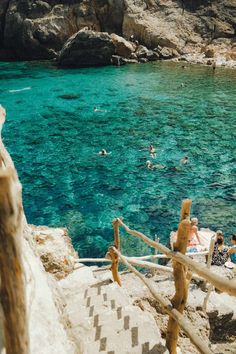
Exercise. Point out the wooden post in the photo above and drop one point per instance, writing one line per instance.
(211, 250)
(218, 281)
(185, 324)
(210, 286)
(114, 267)
(115, 224)
(12, 292)
(181, 284)
(12, 287)
(113, 256)
(155, 260)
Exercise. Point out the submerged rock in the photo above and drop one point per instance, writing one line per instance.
(87, 48)
(69, 96)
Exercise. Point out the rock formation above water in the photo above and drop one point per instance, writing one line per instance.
(87, 48)
(39, 29)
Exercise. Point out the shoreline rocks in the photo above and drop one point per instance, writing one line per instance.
(39, 29)
(87, 48)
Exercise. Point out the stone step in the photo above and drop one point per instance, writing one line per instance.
(103, 320)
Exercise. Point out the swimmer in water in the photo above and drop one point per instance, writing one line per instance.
(184, 160)
(150, 166)
(152, 151)
(103, 152)
(99, 110)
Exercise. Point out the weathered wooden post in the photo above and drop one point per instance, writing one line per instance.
(210, 286)
(12, 290)
(181, 283)
(115, 224)
(157, 239)
(113, 256)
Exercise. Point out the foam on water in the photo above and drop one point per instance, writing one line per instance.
(54, 134)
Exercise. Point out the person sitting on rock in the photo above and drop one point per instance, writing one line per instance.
(220, 253)
(218, 234)
(103, 152)
(232, 250)
(194, 238)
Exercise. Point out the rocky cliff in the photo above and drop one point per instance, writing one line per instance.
(38, 29)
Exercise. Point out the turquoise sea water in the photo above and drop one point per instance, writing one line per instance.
(54, 135)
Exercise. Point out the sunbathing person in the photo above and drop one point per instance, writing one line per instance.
(194, 238)
(220, 253)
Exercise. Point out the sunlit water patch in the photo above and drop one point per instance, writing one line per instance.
(54, 135)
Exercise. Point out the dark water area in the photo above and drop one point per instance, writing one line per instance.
(54, 135)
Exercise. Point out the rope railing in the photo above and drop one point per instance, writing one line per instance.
(182, 277)
(185, 324)
(203, 271)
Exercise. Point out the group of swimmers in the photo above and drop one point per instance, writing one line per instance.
(149, 164)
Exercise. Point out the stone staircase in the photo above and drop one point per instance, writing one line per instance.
(103, 319)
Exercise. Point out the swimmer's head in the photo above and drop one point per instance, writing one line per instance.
(194, 221)
(148, 163)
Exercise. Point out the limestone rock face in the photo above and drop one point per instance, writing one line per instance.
(3, 10)
(87, 48)
(123, 47)
(209, 52)
(39, 29)
(110, 14)
(184, 26)
(36, 29)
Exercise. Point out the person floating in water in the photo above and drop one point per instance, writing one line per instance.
(184, 160)
(103, 152)
(150, 166)
(99, 110)
(152, 151)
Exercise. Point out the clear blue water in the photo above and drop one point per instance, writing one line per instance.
(53, 135)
